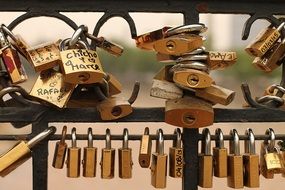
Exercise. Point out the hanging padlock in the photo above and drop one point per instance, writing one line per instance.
(21, 152)
(264, 41)
(159, 163)
(145, 149)
(235, 162)
(189, 112)
(60, 151)
(176, 160)
(250, 161)
(51, 89)
(108, 158)
(89, 161)
(166, 90)
(220, 154)
(125, 158)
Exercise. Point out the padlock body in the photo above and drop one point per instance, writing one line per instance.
(89, 161)
(251, 172)
(81, 66)
(274, 162)
(235, 171)
(268, 174)
(108, 163)
(220, 60)
(59, 155)
(125, 163)
(145, 151)
(205, 171)
(165, 90)
(73, 162)
(220, 156)
(176, 162)
(158, 170)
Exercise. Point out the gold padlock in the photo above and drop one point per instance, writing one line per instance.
(176, 160)
(220, 154)
(250, 161)
(60, 151)
(166, 90)
(145, 149)
(268, 174)
(220, 60)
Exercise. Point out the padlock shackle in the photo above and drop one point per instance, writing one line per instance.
(206, 143)
(271, 141)
(200, 27)
(281, 26)
(249, 144)
(73, 138)
(125, 138)
(63, 134)
(177, 143)
(220, 141)
(160, 142)
(184, 64)
(234, 143)
(146, 131)
(108, 139)
(41, 136)
(76, 35)
(65, 43)
(90, 138)
(199, 50)
(7, 31)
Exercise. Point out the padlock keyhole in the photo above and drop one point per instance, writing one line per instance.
(116, 111)
(189, 119)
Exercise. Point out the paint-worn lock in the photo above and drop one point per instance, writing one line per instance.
(250, 161)
(89, 161)
(44, 56)
(166, 90)
(218, 60)
(60, 151)
(264, 41)
(80, 65)
(159, 163)
(176, 160)
(125, 158)
(108, 158)
(235, 162)
(21, 152)
(145, 149)
(189, 112)
(220, 154)
(73, 157)
(51, 89)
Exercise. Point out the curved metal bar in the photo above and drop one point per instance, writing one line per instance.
(247, 96)
(135, 92)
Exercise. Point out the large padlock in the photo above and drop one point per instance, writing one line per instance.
(189, 112)
(176, 160)
(51, 89)
(220, 154)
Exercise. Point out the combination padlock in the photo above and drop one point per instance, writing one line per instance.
(220, 154)
(60, 151)
(145, 149)
(176, 160)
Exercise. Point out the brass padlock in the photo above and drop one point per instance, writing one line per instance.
(89, 161)
(235, 162)
(176, 160)
(60, 151)
(192, 78)
(250, 161)
(189, 112)
(271, 59)
(73, 157)
(145, 149)
(159, 163)
(268, 174)
(220, 154)
(166, 90)
(108, 158)
(51, 89)
(264, 41)
(206, 161)
(218, 60)
(125, 158)
(80, 65)
(44, 56)
(21, 152)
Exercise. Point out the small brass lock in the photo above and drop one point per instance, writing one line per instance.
(60, 151)
(89, 161)
(145, 149)
(176, 160)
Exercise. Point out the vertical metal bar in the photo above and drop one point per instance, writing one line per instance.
(40, 158)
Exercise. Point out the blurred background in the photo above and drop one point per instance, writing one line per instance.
(224, 34)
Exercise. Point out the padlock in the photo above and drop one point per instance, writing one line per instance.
(159, 163)
(218, 60)
(220, 154)
(165, 90)
(21, 152)
(250, 161)
(60, 151)
(44, 56)
(178, 45)
(186, 29)
(115, 87)
(11, 60)
(216, 94)
(264, 41)
(206, 161)
(268, 174)
(125, 158)
(235, 162)
(189, 112)
(176, 161)
(145, 149)
(192, 78)
(80, 65)
(271, 59)
(108, 158)
(51, 89)
(73, 157)
(89, 161)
